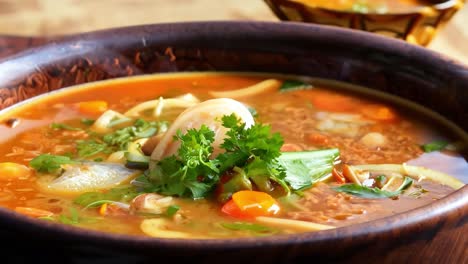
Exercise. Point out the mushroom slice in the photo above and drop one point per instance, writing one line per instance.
(207, 113)
(150, 203)
(85, 177)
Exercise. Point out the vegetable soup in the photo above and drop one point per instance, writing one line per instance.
(223, 155)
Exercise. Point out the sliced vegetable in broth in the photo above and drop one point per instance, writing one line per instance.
(226, 155)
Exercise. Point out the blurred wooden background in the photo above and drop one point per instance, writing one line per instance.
(58, 17)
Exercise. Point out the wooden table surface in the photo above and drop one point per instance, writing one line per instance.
(51, 17)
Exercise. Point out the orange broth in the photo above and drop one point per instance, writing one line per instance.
(302, 117)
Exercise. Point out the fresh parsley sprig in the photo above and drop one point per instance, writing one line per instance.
(192, 172)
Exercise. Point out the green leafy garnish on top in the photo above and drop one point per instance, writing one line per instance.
(365, 192)
(250, 159)
(290, 85)
(140, 129)
(190, 173)
(250, 227)
(48, 163)
(374, 192)
(437, 145)
(62, 126)
(117, 194)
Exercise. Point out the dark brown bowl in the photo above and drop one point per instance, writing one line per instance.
(435, 233)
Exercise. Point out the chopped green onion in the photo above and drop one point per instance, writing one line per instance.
(289, 85)
(87, 121)
(48, 163)
(63, 126)
(434, 146)
(172, 210)
(365, 192)
(243, 226)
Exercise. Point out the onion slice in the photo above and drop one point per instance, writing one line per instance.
(292, 224)
(261, 87)
(207, 113)
(419, 173)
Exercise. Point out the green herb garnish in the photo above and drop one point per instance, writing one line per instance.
(87, 121)
(289, 85)
(63, 126)
(87, 148)
(118, 194)
(418, 192)
(306, 168)
(48, 163)
(407, 182)
(191, 173)
(381, 179)
(434, 146)
(140, 129)
(73, 218)
(365, 192)
(172, 210)
(251, 155)
(255, 228)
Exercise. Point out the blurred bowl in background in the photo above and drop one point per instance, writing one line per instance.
(415, 21)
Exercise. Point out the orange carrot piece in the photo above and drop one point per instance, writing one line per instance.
(254, 203)
(379, 112)
(33, 212)
(317, 139)
(92, 107)
(330, 101)
(103, 209)
(289, 147)
(338, 176)
(231, 208)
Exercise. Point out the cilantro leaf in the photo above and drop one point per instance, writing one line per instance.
(365, 192)
(118, 194)
(190, 173)
(251, 227)
(87, 148)
(48, 163)
(434, 146)
(241, 143)
(87, 121)
(63, 126)
(289, 85)
(140, 129)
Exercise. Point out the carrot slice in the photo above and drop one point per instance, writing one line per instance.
(379, 112)
(338, 176)
(92, 107)
(252, 204)
(231, 208)
(330, 101)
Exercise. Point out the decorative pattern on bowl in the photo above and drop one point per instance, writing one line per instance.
(418, 27)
